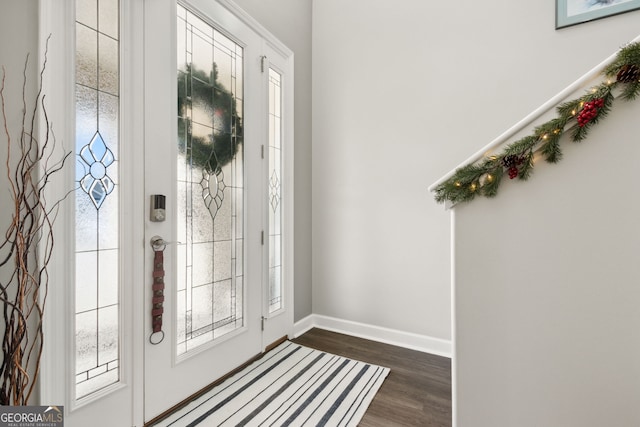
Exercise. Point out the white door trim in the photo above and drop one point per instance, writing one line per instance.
(57, 20)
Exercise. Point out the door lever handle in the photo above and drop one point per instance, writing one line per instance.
(159, 244)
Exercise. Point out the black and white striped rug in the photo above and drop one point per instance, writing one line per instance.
(291, 385)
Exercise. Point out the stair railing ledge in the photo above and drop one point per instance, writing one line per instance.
(533, 116)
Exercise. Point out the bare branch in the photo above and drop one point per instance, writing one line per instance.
(28, 243)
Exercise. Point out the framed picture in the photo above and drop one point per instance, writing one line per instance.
(572, 12)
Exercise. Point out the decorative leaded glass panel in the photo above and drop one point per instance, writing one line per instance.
(97, 205)
(210, 193)
(275, 191)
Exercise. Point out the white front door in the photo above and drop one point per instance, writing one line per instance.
(186, 101)
(204, 142)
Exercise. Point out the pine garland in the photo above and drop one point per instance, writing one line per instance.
(575, 117)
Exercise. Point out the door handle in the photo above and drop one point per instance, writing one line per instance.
(158, 243)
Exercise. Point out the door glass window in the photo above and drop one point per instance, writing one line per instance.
(96, 198)
(210, 291)
(275, 190)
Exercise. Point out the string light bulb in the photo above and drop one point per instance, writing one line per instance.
(458, 184)
(489, 177)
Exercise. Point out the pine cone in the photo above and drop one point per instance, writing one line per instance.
(510, 160)
(628, 73)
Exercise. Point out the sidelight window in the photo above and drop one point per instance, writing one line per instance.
(97, 306)
(275, 191)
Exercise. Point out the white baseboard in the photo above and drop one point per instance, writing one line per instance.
(408, 340)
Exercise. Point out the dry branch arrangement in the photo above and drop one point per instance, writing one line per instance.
(27, 244)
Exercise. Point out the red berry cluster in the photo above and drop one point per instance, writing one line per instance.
(590, 111)
(511, 162)
(513, 172)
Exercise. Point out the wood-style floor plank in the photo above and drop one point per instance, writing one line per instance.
(417, 391)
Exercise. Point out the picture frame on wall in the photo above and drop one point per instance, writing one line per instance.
(572, 12)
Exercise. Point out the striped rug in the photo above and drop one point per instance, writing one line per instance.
(291, 385)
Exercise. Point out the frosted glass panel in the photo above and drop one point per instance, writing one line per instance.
(109, 106)
(86, 342)
(202, 309)
(202, 257)
(202, 113)
(107, 227)
(86, 56)
(182, 44)
(97, 196)
(86, 12)
(222, 261)
(107, 335)
(108, 64)
(108, 276)
(223, 292)
(224, 217)
(275, 193)
(223, 58)
(109, 18)
(86, 119)
(238, 87)
(86, 286)
(210, 171)
(86, 236)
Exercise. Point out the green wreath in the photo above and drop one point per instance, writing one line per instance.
(217, 149)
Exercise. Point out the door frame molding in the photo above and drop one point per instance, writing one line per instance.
(56, 21)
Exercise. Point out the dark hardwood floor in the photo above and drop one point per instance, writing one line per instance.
(417, 391)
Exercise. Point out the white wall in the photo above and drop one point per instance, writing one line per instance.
(290, 22)
(547, 290)
(403, 91)
(17, 39)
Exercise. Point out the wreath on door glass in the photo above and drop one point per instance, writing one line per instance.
(212, 152)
